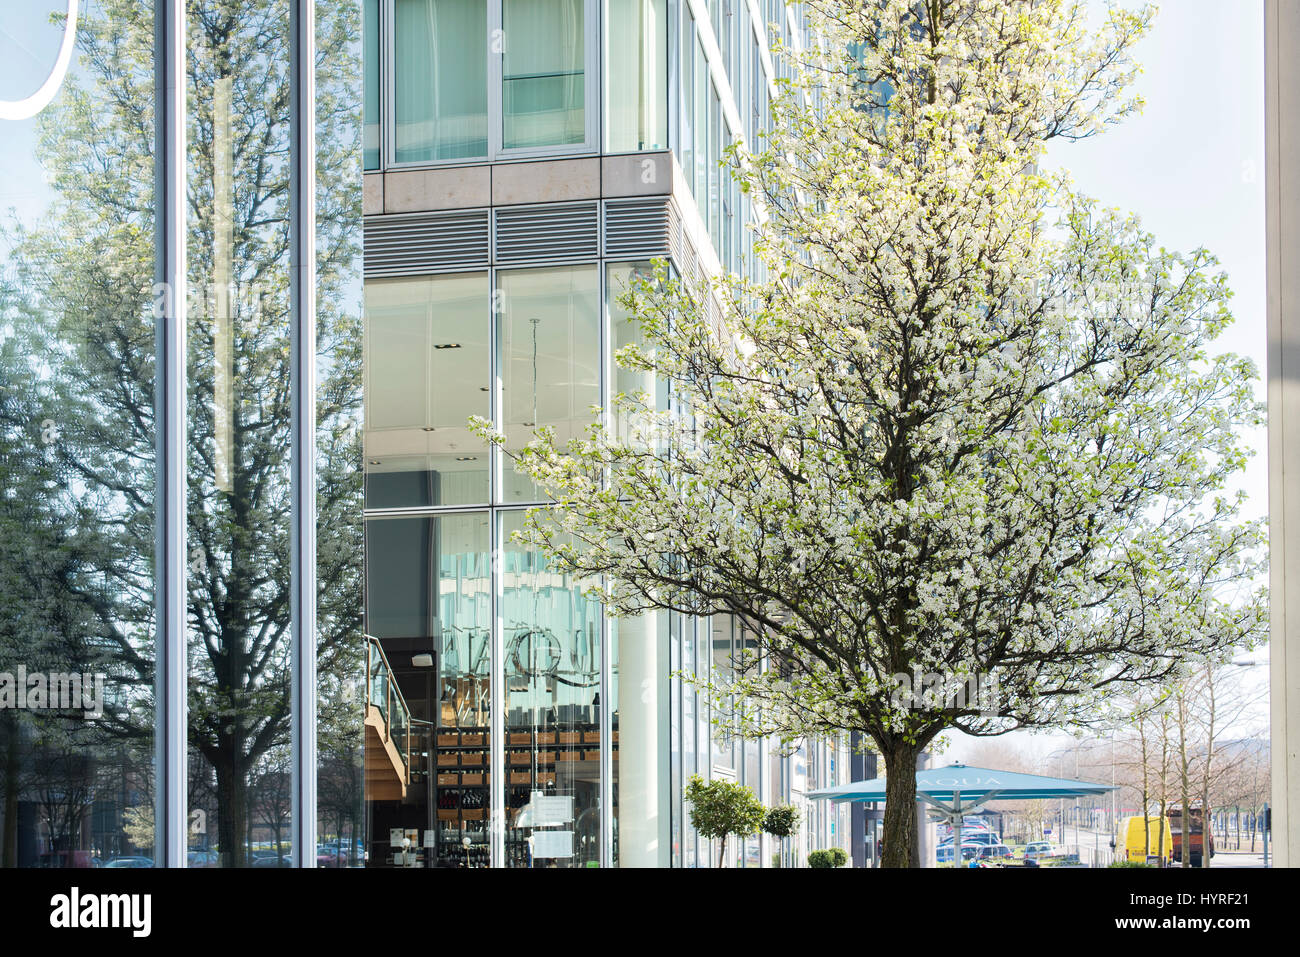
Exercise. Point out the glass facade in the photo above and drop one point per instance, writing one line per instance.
(258, 573)
(180, 399)
(77, 434)
(575, 731)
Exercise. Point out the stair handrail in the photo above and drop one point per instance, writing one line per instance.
(375, 657)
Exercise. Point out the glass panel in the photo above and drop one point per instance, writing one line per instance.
(428, 603)
(754, 782)
(689, 728)
(77, 441)
(340, 540)
(371, 83)
(776, 796)
(639, 674)
(685, 94)
(552, 674)
(636, 75)
(239, 427)
(723, 748)
(550, 332)
(714, 168)
(543, 73)
(676, 781)
(440, 80)
(427, 373)
(703, 135)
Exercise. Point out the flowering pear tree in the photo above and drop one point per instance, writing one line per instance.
(967, 422)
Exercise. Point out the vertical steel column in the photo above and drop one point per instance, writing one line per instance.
(170, 716)
(302, 344)
(496, 561)
(606, 660)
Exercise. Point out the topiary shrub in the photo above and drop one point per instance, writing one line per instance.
(722, 808)
(831, 857)
(781, 821)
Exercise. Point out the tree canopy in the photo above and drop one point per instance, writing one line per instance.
(968, 422)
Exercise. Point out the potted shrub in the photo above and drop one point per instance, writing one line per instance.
(722, 808)
(831, 857)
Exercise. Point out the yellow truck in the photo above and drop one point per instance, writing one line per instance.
(1140, 838)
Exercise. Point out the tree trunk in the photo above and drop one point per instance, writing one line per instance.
(232, 814)
(12, 770)
(901, 848)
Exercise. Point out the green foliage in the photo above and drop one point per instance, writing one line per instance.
(1130, 864)
(722, 808)
(979, 425)
(782, 821)
(831, 857)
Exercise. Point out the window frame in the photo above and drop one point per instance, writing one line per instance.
(496, 152)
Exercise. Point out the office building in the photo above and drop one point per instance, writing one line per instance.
(524, 160)
(259, 601)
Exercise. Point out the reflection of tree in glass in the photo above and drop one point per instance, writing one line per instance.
(87, 312)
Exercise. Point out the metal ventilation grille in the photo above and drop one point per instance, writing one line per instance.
(681, 249)
(428, 243)
(548, 233)
(637, 230)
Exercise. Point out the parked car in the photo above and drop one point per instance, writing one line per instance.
(943, 853)
(137, 862)
(1039, 849)
(979, 837)
(65, 859)
(263, 859)
(326, 856)
(202, 858)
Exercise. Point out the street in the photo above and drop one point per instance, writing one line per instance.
(1096, 845)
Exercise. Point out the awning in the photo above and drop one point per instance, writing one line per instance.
(973, 786)
(957, 790)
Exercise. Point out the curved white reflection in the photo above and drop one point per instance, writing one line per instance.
(31, 105)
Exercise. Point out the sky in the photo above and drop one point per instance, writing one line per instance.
(29, 46)
(1192, 167)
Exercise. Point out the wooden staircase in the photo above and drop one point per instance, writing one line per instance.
(387, 773)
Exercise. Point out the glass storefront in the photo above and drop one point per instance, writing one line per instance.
(462, 633)
(77, 437)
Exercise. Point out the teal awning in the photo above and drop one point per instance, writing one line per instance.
(970, 786)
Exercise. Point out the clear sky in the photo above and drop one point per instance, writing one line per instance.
(1192, 167)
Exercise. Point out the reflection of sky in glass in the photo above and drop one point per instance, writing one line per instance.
(29, 45)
